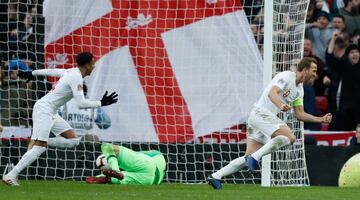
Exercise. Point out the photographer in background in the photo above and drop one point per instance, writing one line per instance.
(355, 140)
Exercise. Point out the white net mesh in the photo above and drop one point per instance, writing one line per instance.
(288, 166)
(187, 74)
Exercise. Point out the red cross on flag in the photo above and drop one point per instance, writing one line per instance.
(182, 68)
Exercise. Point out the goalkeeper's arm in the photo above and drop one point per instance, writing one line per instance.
(108, 150)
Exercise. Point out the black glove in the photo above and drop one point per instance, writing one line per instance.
(26, 75)
(108, 100)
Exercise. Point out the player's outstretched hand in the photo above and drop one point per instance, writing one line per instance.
(26, 75)
(109, 99)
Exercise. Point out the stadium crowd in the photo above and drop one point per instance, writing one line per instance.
(21, 48)
(332, 38)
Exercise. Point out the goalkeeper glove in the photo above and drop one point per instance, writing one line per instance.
(113, 173)
(97, 180)
(108, 99)
(26, 75)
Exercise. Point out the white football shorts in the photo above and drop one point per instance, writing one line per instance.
(262, 124)
(45, 121)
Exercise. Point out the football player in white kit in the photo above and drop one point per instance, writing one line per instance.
(86, 121)
(266, 132)
(45, 113)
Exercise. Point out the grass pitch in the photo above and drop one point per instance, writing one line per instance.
(69, 190)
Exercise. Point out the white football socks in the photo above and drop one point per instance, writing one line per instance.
(62, 142)
(273, 145)
(232, 167)
(29, 157)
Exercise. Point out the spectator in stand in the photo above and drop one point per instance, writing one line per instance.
(21, 63)
(315, 8)
(8, 22)
(337, 4)
(322, 5)
(351, 14)
(1, 129)
(355, 37)
(13, 16)
(347, 97)
(310, 15)
(338, 53)
(323, 80)
(338, 22)
(16, 95)
(256, 30)
(21, 39)
(355, 140)
(319, 33)
(252, 8)
(14, 66)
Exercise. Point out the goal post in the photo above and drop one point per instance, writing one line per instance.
(267, 76)
(283, 44)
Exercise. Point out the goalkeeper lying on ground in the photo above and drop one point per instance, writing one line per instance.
(142, 167)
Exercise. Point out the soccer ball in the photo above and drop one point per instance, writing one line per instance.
(350, 172)
(101, 162)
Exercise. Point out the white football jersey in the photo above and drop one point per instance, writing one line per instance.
(290, 92)
(78, 118)
(70, 85)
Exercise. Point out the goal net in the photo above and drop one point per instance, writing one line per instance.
(288, 165)
(187, 74)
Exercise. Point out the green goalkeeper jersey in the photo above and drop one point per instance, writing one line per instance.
(143, 167)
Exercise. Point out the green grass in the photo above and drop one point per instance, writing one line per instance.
(68, 190)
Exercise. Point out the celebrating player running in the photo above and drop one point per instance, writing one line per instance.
(266, 132)
(45, 113)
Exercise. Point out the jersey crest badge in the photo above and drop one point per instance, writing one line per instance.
(286, 93)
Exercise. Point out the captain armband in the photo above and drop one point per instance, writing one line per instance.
(297, 102)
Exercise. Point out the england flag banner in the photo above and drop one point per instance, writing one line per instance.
(182, 68)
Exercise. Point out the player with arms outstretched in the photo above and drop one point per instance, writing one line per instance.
(45, 113)
(266, 132)
(138, 167)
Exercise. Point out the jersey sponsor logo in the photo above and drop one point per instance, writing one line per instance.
(75, 117)
(286, 93)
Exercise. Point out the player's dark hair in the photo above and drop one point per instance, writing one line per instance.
(305, 63)
(84, 58)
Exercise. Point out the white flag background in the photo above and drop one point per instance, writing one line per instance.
(177, 78)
